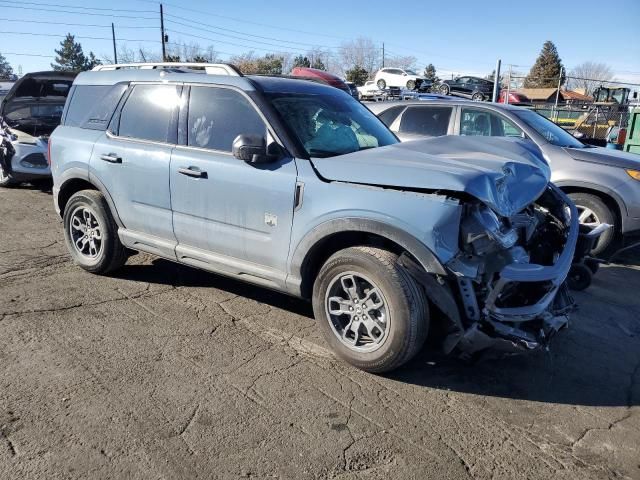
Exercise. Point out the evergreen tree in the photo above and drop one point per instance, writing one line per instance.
(71, 58)
(430, 73)
(547, 69)
(301, 61)
(6, 71)
(357, 75)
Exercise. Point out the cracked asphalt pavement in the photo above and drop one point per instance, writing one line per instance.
(162, 371)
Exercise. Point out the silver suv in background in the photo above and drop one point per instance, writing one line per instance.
(603, 183)
(295, 186)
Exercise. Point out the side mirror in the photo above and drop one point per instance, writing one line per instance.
(250, 149)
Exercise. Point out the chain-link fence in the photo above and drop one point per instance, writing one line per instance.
(591, 120)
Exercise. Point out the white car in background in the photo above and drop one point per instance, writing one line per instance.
(398, 77)
(370, 91)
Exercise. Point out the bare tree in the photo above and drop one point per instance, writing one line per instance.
(403, 61)
(362, 52)
(589, 76)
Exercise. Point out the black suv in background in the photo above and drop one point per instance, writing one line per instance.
(475, 88)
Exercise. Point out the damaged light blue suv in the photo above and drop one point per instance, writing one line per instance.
(297, 187)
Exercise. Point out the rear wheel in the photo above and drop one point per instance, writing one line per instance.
(91, 233)
(444, 89)
(477, 97)
(411, 85)
(370, 310)
(382, 84)
(593, 211)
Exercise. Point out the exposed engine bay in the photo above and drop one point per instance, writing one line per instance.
(506, 290)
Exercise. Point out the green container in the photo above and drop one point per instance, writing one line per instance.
(632, 144)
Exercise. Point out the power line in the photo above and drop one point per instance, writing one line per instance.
(244, 20)
(136, 17)
(76, 36)
(74, 24)
(241, 33)
(38, 4)
(28, 54)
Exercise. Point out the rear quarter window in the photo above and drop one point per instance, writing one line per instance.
(91, 106)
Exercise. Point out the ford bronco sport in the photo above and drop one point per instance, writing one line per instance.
(297, 187)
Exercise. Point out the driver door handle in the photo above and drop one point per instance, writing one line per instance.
(194, 172)
(111, 158)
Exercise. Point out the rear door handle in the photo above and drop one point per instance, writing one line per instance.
(111, 158)
(194, 172)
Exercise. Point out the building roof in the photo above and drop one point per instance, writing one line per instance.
(573, 95)
(538, 93)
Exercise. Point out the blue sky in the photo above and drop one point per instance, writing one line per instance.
(465, 39)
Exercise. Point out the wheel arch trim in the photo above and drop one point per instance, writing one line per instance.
(303, 251)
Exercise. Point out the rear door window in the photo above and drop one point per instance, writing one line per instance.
(91, 106)
(430, 121)
(480, 122)
(150, 113)
(218, 115)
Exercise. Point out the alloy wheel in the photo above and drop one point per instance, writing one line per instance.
(588, 217)
(86, 232)
(357, 311)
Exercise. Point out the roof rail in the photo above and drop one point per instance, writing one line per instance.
(210, 68)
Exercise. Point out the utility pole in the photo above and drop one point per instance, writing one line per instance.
(496, 82)
(382, 54)
(164, 38)
(558, 91)
(506, 99)
(113, 36)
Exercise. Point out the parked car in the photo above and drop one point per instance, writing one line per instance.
(322, 76)
(29, 112)
(401, 78)
(515, 98)
(296, 186)
(475, 88)
(603, 183)
(353, 89)
(370, 91)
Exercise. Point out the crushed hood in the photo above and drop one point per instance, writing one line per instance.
(605, 156)
(505, 174)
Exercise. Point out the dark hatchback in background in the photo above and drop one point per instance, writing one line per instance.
(475, 88)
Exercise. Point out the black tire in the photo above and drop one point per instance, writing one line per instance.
(6, 180)
(407, 322)
(604, 215)
(381, 84)
(411, 85)
(112, 254)
(443, 89)
(579, 277)
(477, 97)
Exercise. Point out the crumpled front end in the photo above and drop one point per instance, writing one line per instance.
(506, 286)
(511, 273)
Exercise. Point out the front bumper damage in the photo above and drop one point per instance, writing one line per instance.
(521, 307)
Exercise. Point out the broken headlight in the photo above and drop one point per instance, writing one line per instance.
(485, 232)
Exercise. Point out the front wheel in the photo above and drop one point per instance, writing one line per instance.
(593, 211)
(411, 85)
(477, 97)
(91, 233)
(444, 89)
(370, 310)
(382, 84)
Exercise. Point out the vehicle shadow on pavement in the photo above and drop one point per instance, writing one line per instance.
(164, 272)
(596, 362)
